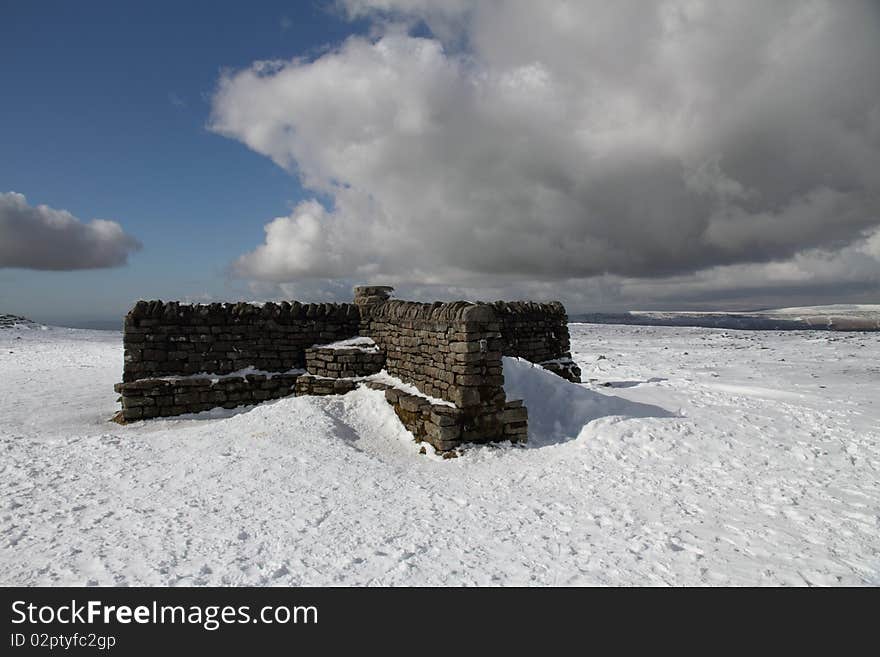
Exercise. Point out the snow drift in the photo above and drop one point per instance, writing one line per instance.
(558, 409)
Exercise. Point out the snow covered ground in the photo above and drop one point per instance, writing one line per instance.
(693, 456)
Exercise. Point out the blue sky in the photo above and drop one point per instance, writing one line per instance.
(104, 115)
(681, 156)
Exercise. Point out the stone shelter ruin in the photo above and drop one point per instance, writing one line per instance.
(439, 364)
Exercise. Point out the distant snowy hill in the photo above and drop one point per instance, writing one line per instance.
(839, 317)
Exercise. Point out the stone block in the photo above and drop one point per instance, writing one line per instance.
(512, 415)
(133, 413)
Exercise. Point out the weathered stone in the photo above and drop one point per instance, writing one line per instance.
(511, 415)
(411, 403)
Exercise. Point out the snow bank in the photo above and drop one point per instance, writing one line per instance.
(559, 409)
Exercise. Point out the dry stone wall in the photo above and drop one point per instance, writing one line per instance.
(149, 398)
(169, 345)
(537, 332)
(343, 363)
(447, 350)
(444, 427)
(309, 384)
(534, 331)
(172, 339)
(451, 351)
(189, 358)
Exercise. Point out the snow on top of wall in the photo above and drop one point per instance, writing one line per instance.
(387, 379)
(358, 342)
(217, 377)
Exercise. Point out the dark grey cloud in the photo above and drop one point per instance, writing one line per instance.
(560, 141)
(40, 237)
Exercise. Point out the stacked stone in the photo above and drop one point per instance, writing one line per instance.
(368, 295)
(516, 421)
(309, 384)
(451, 351)
(538, 332)
(150, 398)
(443, 426)
(172, 340)
(438, 424)
(168, 339)
(337, 370)
(447, 350)
(343, 363)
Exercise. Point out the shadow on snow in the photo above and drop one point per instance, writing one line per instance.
(558, 409)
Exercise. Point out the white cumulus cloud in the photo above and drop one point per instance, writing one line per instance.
(560, 143)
